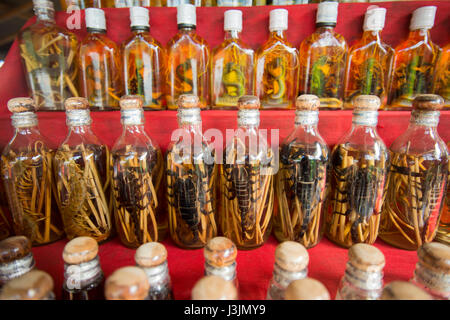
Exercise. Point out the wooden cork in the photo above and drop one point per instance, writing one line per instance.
(366, 103)
(131, 102)
(403, 290)
(248, 103)
(214, 288)
(306, 289)
(291, 256)
(127, 283)
(220, 252)
(435, 256)
(14, 248)
(307, 102)
(79, 250)
(366, 257)
(34, 285)
(188, 101)
(150, 254)
(76, 103)
(428, 102)
(22, 104)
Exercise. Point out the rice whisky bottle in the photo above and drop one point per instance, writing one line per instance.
(442, 77)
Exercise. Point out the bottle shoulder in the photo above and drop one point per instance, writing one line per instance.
(187, 39)
(140, 40)
(98, 42)
(233, 45)
(363, 45)
(412, 44)
(278, 45)
(46, 29)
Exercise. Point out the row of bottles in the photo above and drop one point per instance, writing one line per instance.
(57, 67)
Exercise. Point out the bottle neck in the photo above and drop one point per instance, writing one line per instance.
(366, 280)
(323, 27)
(425, 119)
(132, 118)
(420, 35)
(365, 118)
(306, 119)
(371, 35)
(24, 121)
(277, 34)
(140, 29)
(248, 119)
(186, 28)
(438, 282)
(44, 14)
(96, 31)
(16, 268)
(80, 130)
(79, 276)
(227, 272)
(157, 275)
(283, 277)
(231, 34)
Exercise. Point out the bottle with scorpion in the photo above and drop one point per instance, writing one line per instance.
(246, 181)
(16, 258)
(27, 171)
(191, 174)
(137, 171)
(82, 176)
(300, 183)
(143, 62)
(187, 60)
(322, 59)
(442, 76)
(49, 56)
(414, 61)
(443, 233)
(369, 61)
(417, 179)
(231, 65)
(100, 64)
(277, 66)
(5, 223)
(359, 164)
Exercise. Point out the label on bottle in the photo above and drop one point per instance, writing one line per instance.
(234, 3)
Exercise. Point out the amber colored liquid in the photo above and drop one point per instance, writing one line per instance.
(368, 69)
(442, 76)
(100, 70)
(322, 64)
(443, 233)
(93, 292)
(277, 68)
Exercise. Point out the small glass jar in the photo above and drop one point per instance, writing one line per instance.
(152, 258)
(16, 258)
(306, 289)
(433, 270)
(220, 259)
(214, 288)
(83, 275)
(403, 290)
(291, 263)
(33, 285)
(363, 278)
(127, 283)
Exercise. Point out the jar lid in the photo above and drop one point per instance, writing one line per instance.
(327, 12)
(214, 288)
(131, 102)
(188, 101)
(403, 290)
(220, 252)
(374, 18)
(14, 248)
(366, 257)
(291, 256)
(150, 254)
(139, 17)
(248, 102)
(95, 18)
(233, 20)
(79, 250)
(33, 285)
(21, 104)
(127, 283)
(278, 20)
(366, 103)
(307, 102)
(428, 102)
(435, 256)
(43, 4)
(186, 14)
(306, 289)
(423, 18)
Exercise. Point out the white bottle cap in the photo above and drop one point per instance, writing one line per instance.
(233, 20)
(278, 20)
(186, 14)
(139, 17)
(95, 18)
(327, 12)
(423, 18)
(374, 18)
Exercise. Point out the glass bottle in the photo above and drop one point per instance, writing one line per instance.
(442, 76)
(154, 3)
(369, 61)
(152, 258)
(214, 288)
(300, 182)
(187, 60)
(291, 263)
(403, 290)
(127, 283)
(16, 258)
(49, 57)
(246, 186)
(277, 66)
(359, 164)
(414, 61)
(443, 233)
(100, 65)
(5, 225)
(306, 289)
(220, 259)
(322, 59)
(235, 3)
(231, 65)
(33, 285)
(137, 171)
(81, 4)
(363, 278)
(176, 3)
(143, 62)
(28, 177)
(191, 174)
(83, 275)
(417, 179)
(81, 173)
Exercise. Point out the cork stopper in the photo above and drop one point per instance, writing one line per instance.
(131, 102)
(428, 102)
(366, 257)
(291, 256)
(150, 254)
(435, 256)
(34, 285)
(127, 283)
(214, 288)
(306, 289)
(76, 103)
(22, 104)
(366, 103)
(403, 290)
(220, 252)
(248, 102)
(307, 102)
(79, 250)
(14, 248)
(188, 101)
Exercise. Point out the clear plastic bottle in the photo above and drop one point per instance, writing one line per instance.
(363, 278)
(127, 283)
(214, 288)
(33, 285)
(306, 289)
(300, 183)
(220, 259)
(16, 258)
(403, 290)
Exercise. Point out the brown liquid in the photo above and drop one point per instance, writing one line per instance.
(95, 291)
